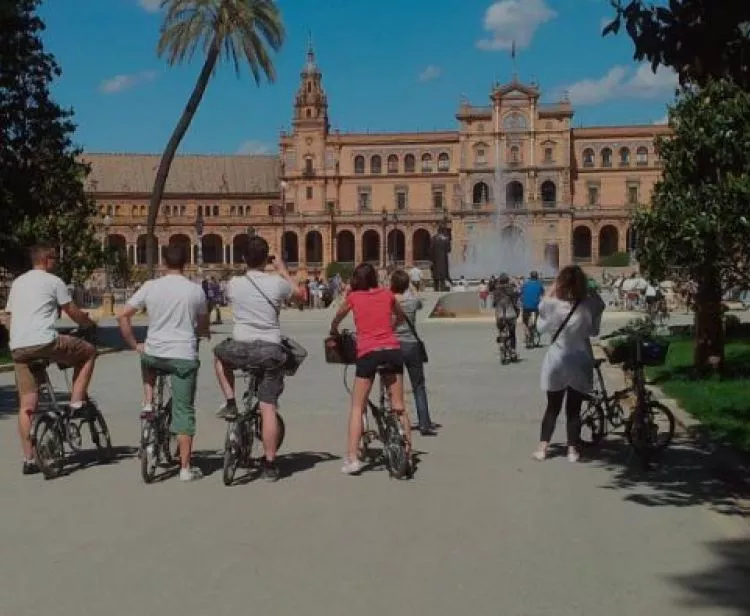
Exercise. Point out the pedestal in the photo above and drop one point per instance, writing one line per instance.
(108, 305)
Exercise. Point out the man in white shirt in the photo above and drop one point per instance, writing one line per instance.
(178, 314)
(256, 299)
(415, 275)
(33, 304)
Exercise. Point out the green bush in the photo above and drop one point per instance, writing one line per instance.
(617, 259)
(337, 267)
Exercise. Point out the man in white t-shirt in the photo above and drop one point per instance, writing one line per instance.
(256, 299)
(34, 300)
(415, 275)
(178, 314)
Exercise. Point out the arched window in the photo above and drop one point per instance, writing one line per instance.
(426, 163)
(376, 165)
(409, 163)
(216, 210)
(624, 157)
(641, 156)
(549, 194)
(606, 157)
(444, 162)
(514, 195)
(393, 164)
(588, 157)
(480, 193)
(359, 165)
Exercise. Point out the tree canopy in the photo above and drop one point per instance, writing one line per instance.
(42, 194)
(700, 39)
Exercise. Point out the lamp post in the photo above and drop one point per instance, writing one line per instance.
(384, 219)
(199, 251)
(283, 185)
(394, 244)
(106, 221)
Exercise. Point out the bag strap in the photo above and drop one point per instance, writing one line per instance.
(276, 309)
(565, 322)
(412, 328)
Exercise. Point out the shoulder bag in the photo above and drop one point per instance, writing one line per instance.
(420, 343)
(564, 323)
(295, 352)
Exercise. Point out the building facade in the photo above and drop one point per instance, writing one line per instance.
(379, 197)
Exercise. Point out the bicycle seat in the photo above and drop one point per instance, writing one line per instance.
(39, 364)
(601, 360)
(251, 370)
(160, 373)
(387, 368)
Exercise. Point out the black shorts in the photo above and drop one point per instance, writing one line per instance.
(526, 314)
(391, 361)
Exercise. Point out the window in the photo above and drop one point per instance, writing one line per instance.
(481, 156)
(182, 210)
(364, 198)
(117, 210)
(308, 166)
(515, 155)
(426, 163)
(309, 86)
(216, 210)
(632, 194)
(309, 193)
(624, 157)
(409, 163)
(134, 210)
(588, 157)
(549, 155)
(233, 211)
(514, 122)
(200, 210)
(109, 210)
(641, 156)
(606, 157)
(308, 113)
(290, 207)
(376, 165)
(393, 164)
(330, 159)
(444, 162)
(593, 195)
(359, 165)
(438, 197)
(401, 198)
(167, 210)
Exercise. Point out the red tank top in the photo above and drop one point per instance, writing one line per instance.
(373, 319)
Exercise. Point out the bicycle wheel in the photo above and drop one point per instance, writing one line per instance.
(100, 437)
(167, 440)
(49, 450)
(536, 339)
(232, 452)
(281, 432)
(645, 435)
(592, 423)
(394, 449)
(149, 451)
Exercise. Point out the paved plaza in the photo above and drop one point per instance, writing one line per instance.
(482, 529)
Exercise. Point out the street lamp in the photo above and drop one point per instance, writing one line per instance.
(384, 218)
(106, 221)
(283, 185)
(394, 243)
(199, 233)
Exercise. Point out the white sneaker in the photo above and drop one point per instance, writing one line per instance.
(540, 455)
(573, 456)
(190, 474)
(351, 467)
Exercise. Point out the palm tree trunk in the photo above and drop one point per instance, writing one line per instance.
(169, 153)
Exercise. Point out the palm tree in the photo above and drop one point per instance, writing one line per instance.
(235, 31)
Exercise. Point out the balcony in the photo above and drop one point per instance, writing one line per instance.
(308, 173)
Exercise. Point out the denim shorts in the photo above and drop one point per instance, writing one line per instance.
(265, 358)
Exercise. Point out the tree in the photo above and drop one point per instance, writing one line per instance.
(235, 31)
(699, 221)
(42, 195)
(700, 39)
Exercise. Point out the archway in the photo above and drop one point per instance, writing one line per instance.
(371, 246)
(213, 249)
(141, 254)
(290, 247)
(552, 256)
(314, 248)
(345, 252)
(421, 245)
(549, 193)
(481, 193)
(240, 244)
(581, 244)
(396, 247)
(608, 240)
(511, 233)
(514, 195)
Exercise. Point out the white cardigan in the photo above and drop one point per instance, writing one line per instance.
(569, 362)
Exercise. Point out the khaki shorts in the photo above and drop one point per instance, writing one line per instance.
(67, 350)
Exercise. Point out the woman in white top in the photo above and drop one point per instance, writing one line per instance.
(571, 313)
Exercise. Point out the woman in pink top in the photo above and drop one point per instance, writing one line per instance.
(373, 309)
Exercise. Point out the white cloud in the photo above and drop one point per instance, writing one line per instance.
(514, 20)
(119, 83)
(152, 6)
(252, 146)
(619, 82)
(664, 120)
(429, 73)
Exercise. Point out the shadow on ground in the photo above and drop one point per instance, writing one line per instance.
(684, 475)
(726, 584)
(212, 461)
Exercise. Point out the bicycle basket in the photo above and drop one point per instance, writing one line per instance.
(341, 349)
(653, 352)
(295, 355)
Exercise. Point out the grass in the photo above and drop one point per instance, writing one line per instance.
(720, 403)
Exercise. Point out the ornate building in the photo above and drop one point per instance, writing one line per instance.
(379, 197)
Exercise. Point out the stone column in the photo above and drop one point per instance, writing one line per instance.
(408, 245)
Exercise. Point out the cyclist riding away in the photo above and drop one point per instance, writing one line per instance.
(506, 309)
(532, 291)
(33, 304)
(256, 299)
(177, 314)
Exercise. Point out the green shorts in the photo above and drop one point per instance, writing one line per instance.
(184, 378)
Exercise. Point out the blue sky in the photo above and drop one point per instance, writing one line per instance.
(387, 65)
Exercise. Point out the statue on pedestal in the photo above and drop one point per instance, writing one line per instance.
(440, 249)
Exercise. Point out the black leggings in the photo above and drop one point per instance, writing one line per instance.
(572, 415)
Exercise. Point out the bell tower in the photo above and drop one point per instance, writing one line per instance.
(311, 103)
